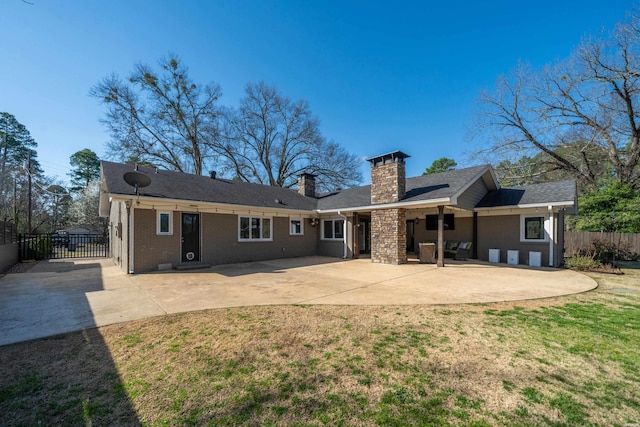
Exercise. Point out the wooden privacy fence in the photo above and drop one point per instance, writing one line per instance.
(574, 240)
(9, 232)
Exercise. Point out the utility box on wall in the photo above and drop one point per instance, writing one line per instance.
(513, 257)
(535, 259)
(494, 255)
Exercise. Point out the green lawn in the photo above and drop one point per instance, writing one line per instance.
(564, 361)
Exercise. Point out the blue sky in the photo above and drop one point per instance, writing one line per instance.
(381, 76)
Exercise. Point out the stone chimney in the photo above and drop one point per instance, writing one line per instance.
(388, 181)
(307, 185)
(388, 225)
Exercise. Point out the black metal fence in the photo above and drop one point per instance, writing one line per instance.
(57, 245)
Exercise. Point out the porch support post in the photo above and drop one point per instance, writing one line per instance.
(440, 262)
(356, 236)
(474, 244)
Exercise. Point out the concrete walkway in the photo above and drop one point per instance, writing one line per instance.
(60, 296)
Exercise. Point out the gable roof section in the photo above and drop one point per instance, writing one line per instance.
(548, 193)
(421, 189)
(198, 188)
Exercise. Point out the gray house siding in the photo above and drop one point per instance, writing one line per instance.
(472, 195)
(334, 248)
(503, 232)
(463, 231)
(221, 246)
(218, 241)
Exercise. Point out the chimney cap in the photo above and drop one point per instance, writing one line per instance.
(308, 175)
(394, 156)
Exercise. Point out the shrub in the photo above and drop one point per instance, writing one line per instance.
(582, 263)
(605, 250)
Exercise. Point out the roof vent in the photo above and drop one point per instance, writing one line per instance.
(212, 174)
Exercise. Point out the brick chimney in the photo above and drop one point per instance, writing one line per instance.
(388, 226)
(388, 181)
(307, 185)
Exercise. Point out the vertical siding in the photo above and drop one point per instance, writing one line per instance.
(470, 198)
(580, 239)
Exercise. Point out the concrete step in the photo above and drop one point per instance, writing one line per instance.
(192, 266)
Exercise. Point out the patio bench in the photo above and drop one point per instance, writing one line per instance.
(463, 251)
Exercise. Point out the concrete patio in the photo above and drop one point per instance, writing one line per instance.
(60, 296)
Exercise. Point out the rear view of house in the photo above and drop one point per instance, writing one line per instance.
(182, 220)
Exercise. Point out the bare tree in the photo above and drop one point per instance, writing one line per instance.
(271, 140)
(576, 116)
(84, 209)
(162, 118)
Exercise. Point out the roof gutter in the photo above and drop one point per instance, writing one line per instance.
(344, 235)
(207, 207)
(396, 205)
(528, 206)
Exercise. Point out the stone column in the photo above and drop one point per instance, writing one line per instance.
(388, 225)
(389, 236)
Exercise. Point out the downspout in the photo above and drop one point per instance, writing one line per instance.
(344, 235)
(130, 233)
(552, 234)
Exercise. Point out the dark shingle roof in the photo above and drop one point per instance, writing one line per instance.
(548, 192)
(182, 186)
(419, 188)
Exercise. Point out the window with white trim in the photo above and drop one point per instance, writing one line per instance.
(164, 223)
(332, 229)
(296, 227)
(254, 229)
(533, 228)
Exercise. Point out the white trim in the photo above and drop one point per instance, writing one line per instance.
(551, 233)
(130, 234)
(158, 231)
(301, 221)
(146, 202)
(545, 228)
(333, 221)
(423, 203)
(261, 221)
(454, 198)
(528, 206)
(344, 234)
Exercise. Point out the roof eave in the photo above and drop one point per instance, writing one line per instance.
(569, 203)
(145, 202)
(396, 205)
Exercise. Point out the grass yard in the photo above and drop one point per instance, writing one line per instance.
(565, 361)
